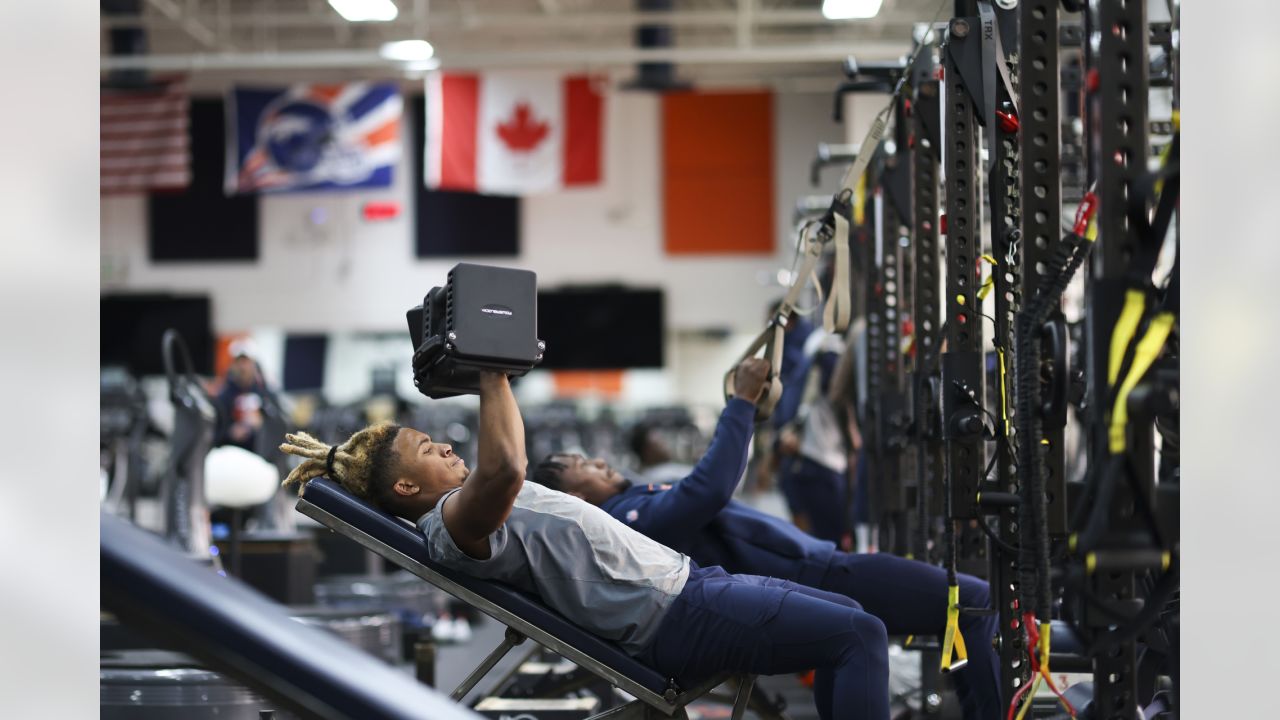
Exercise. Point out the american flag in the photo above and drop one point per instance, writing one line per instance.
(145, 143)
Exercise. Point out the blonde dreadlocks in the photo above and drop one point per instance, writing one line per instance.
(362, 464)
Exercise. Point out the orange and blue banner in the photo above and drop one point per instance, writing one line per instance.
(313, 137)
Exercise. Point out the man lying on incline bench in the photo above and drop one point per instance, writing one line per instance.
(698, 516)
(684, 621)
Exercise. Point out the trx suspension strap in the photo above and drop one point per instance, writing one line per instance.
(1162, 316)
(833, 228)
(954, 654)
(771, 342)
(1137, 339)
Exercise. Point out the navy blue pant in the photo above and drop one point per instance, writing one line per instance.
(862, 491)
(766, 626)
(910, 597)
(817, 492)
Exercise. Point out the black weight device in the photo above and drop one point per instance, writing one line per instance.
(483, 319)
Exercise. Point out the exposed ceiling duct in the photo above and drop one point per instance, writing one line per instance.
(655, 75)
(126, 41)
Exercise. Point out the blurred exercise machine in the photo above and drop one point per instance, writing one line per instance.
(123, 425)
(232, 630)
(186, 514)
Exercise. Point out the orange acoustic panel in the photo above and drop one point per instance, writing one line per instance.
(575, 383)
(717, 177)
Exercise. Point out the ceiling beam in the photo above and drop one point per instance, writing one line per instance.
(551, 21)
(198, 30)
(566, 57)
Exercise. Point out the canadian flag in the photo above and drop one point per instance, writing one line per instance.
(513, 133)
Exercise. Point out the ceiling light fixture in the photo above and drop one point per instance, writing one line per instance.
(848, 9)
(365, 10)
(410, 51)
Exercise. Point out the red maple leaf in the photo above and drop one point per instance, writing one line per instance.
(521, 132)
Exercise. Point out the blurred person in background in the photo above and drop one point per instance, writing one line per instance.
(653, 455)
(846, 392)
(241, 400)
(810, 443)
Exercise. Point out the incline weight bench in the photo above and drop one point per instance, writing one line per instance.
(524, 615)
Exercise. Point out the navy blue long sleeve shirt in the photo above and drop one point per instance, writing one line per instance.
(795, 366)
(699, 517)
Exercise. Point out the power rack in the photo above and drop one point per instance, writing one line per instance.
(1007, 120)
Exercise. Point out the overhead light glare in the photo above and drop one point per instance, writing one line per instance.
(413, 51)
(849, 9)
(365, 10)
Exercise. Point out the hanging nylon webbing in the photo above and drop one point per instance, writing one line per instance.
(770, 339)
(833, 228)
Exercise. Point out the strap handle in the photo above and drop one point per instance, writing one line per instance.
(1148, 349)
(839, 310)
(836, 315)
(771, 342)
(954, 654)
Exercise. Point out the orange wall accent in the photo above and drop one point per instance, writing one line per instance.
(222, 352)
(574, 383)
(717, 159)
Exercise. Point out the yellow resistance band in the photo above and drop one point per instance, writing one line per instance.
(1135, 301)
(1028, 701)
(952, 640)
(1041, 675)
(990, 282)
(1004, 397)
(1046, 630)
(1143, 356)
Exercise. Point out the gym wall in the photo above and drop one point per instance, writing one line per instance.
(323, 269)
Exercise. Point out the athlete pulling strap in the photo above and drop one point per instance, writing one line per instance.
(832, 228)
(835, 317)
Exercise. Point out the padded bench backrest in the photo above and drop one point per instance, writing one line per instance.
(399, 535)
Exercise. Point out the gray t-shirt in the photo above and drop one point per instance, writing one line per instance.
(597, 572)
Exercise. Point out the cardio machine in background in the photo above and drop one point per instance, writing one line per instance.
(185, 512)
(275, 515)
(123, 426)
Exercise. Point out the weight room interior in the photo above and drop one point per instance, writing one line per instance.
(240, 303)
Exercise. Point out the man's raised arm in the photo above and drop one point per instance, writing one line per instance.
(696, 500)
(485, 500)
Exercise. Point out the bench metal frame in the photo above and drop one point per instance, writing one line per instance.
(648, 704)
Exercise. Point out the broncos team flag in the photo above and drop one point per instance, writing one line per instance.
(513, 133)
(312, 137)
